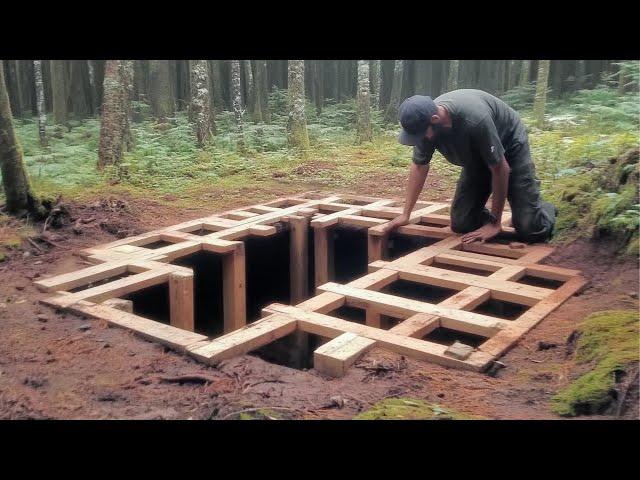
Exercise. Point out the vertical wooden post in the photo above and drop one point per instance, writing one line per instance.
(233, 286)
(376, 247)
(323, 255)
(181, 301)
(372, 318)
(299, 259)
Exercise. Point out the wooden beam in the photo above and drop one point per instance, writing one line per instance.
(299, 258)
(181, 301)
(336, 356)
(323, 255)
(233, 285)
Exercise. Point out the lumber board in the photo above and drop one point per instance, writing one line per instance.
(336, 356)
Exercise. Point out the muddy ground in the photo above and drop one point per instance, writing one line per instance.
(57, 365)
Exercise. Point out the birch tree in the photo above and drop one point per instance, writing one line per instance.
(17, 188)
(363, 119)
(42, 115)
(115, 133)
(236, 100)
(297, 122)
(391, 114)
(540, 101)
(200, 105)
(376, 82)
(452, 79)
(250, 97)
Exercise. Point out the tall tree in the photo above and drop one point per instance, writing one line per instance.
(452, 80)
(216, 85)
(115, 134)
(297, 122)
(317, 83)
(525, 71)
(250, 97)
(363, 114)
(17, 189)
(59, 91)
(580, 74)
(261, 106)
(391, 114)
(376, 82)
(162, 104)
(540, 101)
(42, 115)
(236, 97)
(200, 107)
(80, 100)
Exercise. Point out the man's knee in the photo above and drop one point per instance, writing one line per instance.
(460, 224)
(533, 228)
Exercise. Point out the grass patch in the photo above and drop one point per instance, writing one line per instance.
(411, 409)
(610, 341)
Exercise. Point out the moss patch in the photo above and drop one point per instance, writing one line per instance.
(411, 409)
(609, 341)
(262, 414)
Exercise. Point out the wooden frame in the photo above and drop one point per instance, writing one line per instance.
(134, 263)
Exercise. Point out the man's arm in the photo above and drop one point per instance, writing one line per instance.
(500, 187)
(417, 176)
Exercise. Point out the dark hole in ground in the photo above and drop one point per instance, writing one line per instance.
(462, 269)
(201, 232)
(447, 336)
(500, 309)
(349, 201)
(207, 291)
(286, 351)
(157, 244)
(351, 314)
(418, 291)
(151, 302)
(541, 282)
(267, 267)
(350, 253)
(387, 322)
(399, 245)
(101, 282)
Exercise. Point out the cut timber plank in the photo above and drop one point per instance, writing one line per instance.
(299, 258)
(404, 307)
(181, 301)
(335, 357)
(326, 326)
(323, 255)
(246, 339)
(500, 289)
(233, 289)
(69, 281)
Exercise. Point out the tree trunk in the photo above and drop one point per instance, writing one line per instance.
(422, 77)
(58, 91)
(261, 111)
(236, 97)
(216, 86)
(363, 114)
(115, 134)
(452, 81)
(297, 124)
(317, 82)
(42, 116)
(622, 78)
(251, 95)
(375, 76)
(391, 114)
(17, 189)
(160, 98)
(79, 102)
(13, 86)
(540, 101)
(525, 71)
(200, 101)
(580, 74)
(95, 100)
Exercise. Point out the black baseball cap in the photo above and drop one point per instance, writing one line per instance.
(415, 117)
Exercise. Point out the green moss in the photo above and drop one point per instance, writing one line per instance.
(2, 257)
(610, 341)
(411, 409)
(261, 414)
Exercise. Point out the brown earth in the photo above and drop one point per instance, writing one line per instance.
(58, 365)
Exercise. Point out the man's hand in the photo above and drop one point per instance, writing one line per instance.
(400, 220)
(484, 233)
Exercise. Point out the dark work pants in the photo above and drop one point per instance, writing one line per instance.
(532, 218)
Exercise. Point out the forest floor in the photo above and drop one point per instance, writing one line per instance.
(58, 365)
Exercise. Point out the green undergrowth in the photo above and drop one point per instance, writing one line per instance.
(609, 342)
(411, 409)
